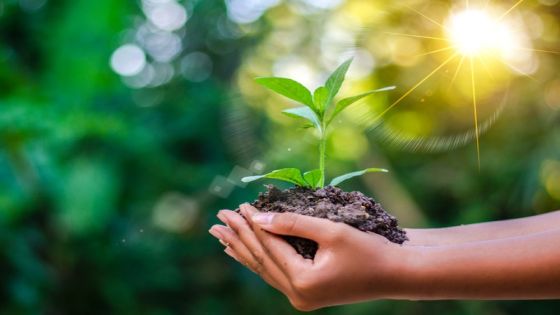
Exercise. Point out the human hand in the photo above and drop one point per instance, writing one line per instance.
(349, 266)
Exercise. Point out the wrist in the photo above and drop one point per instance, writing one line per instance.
(426, 237)
(407, 267)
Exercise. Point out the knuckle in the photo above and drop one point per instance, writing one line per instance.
(337, 233)
(257, 263)
(234, 228)
(255, 267)
(301, 305)
(258, 268)
(259, 257)
(303, 285)
(289, 222)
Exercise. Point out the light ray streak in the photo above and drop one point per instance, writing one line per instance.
(457, 71)
(539, 50)
(519, 71)
(434, 51)
(510, 9)
(418, 36)
(485, 66)
(425, 16)
(475, 113)
(415, 87)
(437, 143)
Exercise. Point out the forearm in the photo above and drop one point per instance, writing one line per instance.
(485, 231)
(525, 267)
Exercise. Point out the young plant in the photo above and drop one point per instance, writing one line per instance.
(320, 110)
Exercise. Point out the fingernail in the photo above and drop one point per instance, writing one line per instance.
(222, 217)
(262, 218)
(228, 251)
(215, 233)
(246, 207)
(246, 210)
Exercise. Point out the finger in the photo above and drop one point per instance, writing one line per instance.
(238, 251)
(233, 254)
(319, 230)
(281, 252)
(241, 228)
(229, 239)
(259, 260)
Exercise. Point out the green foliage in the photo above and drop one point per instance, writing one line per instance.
(337, 180)
(344, 103)
(321, 98)
(290, 175)
(314, 178)
(305, 113)
(315, 112)
(289, 88)
(334, 82)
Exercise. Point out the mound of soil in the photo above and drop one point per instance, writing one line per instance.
(352, 208)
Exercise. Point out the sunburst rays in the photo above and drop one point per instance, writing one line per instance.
(475, 111)
(407, 93)
(472, 59)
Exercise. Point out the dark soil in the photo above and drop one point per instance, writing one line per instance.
(352, 208)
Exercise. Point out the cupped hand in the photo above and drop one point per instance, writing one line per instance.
(350, 265)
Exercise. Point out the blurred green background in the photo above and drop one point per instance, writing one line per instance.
(126, 125)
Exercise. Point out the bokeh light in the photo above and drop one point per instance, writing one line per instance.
(128, 60)
(248, 11)
(175, 212)
(167, 15)
(196, 66)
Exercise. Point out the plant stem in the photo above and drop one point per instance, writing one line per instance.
(322, 153)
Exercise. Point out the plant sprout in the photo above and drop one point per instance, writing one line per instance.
(320, 110)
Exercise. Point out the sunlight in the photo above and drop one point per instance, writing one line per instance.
(484, 46)
(474, 32)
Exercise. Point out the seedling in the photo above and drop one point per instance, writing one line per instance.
(320, 110)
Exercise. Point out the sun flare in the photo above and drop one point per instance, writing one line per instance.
(474, 32)
(476, 37)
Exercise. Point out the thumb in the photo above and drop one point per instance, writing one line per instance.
(293, 224)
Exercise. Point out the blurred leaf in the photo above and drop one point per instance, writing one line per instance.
(289, 88)
(320, 99)
(313, 178)
(337, 180)
(344, 103)
(334, 82)
(305, 113)
(290, 175)
(88, 196)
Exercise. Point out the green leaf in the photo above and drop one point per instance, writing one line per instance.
(344, 103)
(320, 99)
(289, 88)
(290, 175)
(345, 177)
(305, 113)
(334, 82)
(313, 178)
